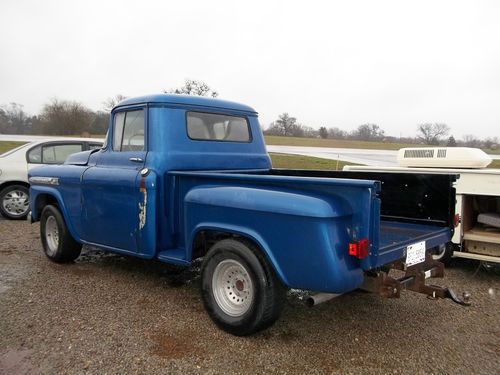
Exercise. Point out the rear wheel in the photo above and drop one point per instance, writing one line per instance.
(58, 244)
(239, 289)
(14, 202)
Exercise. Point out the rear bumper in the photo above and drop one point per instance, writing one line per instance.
(414, 280)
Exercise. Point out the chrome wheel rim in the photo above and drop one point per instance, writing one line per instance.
(51, 235)
(232, 287)
(16, 203)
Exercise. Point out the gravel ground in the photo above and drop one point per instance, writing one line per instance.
(108, 314)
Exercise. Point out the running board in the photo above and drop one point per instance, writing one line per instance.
(414, 280)
(174, 256)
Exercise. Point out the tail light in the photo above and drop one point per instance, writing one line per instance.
(456, 220)
(359, 249)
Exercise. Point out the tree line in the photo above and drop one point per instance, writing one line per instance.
(57, 117)
(65, 117)
(437, 134)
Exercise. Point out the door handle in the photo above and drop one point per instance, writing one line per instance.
(137, 160)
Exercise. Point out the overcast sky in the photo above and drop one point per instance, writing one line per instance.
(329, 63)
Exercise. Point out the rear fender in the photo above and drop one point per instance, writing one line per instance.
(240, 231)
(304, 237)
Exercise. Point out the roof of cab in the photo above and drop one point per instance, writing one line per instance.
(190, 100)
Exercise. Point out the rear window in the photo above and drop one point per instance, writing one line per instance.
(57, 154)
(215, 127)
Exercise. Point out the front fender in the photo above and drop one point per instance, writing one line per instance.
(36, 191)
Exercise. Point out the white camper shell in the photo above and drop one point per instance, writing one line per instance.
(477, 235)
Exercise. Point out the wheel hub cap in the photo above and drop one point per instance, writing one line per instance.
(51, 235)
(232, 287)
(16, 203)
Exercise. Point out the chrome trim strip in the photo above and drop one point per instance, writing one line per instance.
(44, 180)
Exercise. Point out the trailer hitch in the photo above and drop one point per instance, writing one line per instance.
(414, 279)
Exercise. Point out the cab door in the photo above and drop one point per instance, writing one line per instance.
(111, 187)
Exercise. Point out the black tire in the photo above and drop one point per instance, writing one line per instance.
(444, 253)
(14, 202)
(268, 293)
(58, 244)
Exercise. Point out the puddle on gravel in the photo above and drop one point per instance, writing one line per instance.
(173, 276)
(9, 274)
(16, 362)
(168, 346)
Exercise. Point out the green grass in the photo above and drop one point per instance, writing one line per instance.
(288, 161)
(494, 164)
(345, 143)
(8, 145)
(337, 143)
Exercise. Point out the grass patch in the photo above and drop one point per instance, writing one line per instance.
(8, 145)
(346, 143)
(288, 161)
(335, 143)
(494, 164)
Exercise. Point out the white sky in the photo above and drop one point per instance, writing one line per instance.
(331, 63)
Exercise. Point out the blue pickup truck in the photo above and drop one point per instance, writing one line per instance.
(182, 177)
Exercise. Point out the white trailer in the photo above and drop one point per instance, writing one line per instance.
(477, 234)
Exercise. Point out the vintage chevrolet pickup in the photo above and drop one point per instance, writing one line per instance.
(182, 177)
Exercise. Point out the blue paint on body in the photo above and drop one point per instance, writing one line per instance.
(303, 225)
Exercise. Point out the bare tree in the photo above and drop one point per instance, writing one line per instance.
(112, 101)
(451, 142)
(431, 133)
(193, 87)
(323, 132)
(13, 119)
(369, 132)
(491, 143)
(287, 126)
(471, 141)
(337, 133)
(62, 117)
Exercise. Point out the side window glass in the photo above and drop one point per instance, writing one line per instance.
(118, 131)
(133, 134)
(57, 154)
(35, 155)
(128, 132)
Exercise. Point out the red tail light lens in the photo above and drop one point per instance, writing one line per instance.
(359, 249)
(456, 220)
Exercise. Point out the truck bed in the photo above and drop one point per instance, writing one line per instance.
(392, 211)
(414, 208)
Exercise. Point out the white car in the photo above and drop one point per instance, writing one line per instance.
(14, 166)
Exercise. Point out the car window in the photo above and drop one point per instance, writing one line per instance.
(128, 133)
(57, 154)
(215, 127)
(35, 155)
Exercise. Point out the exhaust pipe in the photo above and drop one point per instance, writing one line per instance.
(316, 299)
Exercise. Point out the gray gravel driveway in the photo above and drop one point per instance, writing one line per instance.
(117, 315)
